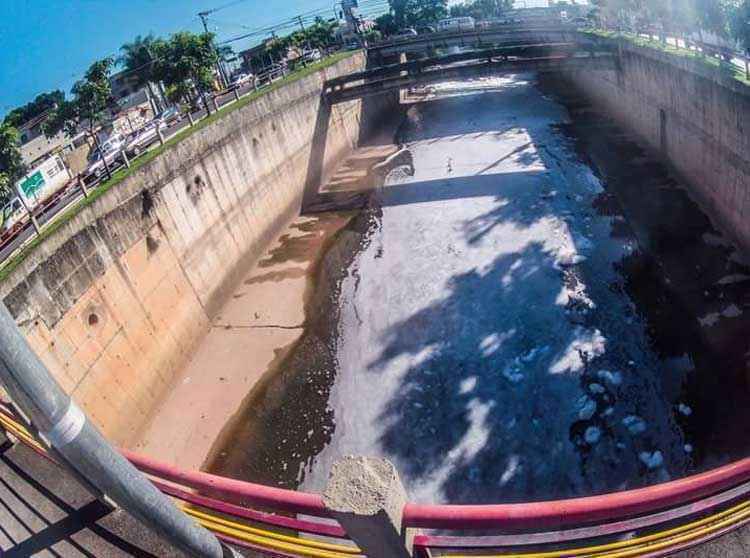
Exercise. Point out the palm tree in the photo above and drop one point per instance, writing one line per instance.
(137, 57)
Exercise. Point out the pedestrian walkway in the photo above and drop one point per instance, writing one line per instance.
(43, 512)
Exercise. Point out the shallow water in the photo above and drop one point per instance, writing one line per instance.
(524, 318)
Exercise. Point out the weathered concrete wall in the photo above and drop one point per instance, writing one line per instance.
(116, 300)
(697, 117)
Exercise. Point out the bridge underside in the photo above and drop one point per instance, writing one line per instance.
(492, 67)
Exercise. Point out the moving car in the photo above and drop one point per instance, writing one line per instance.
(140, 140)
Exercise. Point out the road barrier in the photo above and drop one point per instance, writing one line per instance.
(648, 522)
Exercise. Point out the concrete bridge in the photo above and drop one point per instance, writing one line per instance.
(516, 33)
(534, 56)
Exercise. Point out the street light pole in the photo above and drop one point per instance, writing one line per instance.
(65, 428)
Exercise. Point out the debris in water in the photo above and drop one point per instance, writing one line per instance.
(611, 378)
(635, 425)
(586, 407)
(597, 389)
(592, 435)
(685, 409)
(652, 460)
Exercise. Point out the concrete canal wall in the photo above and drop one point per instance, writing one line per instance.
(115, 301)
(695, 115)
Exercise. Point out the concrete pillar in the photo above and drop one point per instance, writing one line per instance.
(236, 94)
(190, 118)
(216, 104)
(161, 136)
(367, 498)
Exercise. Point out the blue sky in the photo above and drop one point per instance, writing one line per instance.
(48, 44)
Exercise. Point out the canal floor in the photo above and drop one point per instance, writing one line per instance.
(537, 311)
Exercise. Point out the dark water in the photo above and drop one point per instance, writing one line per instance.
(673, 309)
(687, 280)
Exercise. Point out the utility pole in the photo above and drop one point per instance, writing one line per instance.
(222, 77)
(65, 428)
(302, 25)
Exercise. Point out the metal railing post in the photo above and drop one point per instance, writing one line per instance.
(65, 428)
(190, 119)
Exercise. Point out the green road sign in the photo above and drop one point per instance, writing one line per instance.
(32, 184)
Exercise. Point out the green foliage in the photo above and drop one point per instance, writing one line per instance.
(739, 23)
(386, 24)
(411, 13)
(481, 9)
(185, 58)
(39, 105)
(137, 58)
(92, 96)
(12, 167)
(320, 34)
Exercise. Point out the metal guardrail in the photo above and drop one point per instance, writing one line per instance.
(648, 522)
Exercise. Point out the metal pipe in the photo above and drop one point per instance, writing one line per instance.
(65, 428)
(248, 493)
(579, 511)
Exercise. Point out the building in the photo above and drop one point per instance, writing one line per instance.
(257, 58)
(36, 147)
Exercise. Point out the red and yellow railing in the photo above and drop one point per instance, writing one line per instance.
(222, 506)
(649, 522)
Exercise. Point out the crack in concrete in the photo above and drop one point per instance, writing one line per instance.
(270, 326)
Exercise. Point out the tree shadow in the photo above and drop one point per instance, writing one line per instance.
(523, 380)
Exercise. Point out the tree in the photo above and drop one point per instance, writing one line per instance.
(137, 58)
(92, 96)
(739, 25)
(481, 9)
(187, 59)
(12, 167)
(411, 13)
(41, 104)
(386, 24)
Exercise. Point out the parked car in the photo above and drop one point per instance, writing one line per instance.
(312, 55)
(140, 140)
(425, 30)
(170, 116)
(109, 151)
(13, 215)
(408, 33)
(241, 80)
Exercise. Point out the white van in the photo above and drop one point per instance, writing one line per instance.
(457, 24)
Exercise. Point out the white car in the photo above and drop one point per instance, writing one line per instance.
(404, 34)
(312, 55)
(110, 151)
(456, 24)
(13, 213)
(241, 81)
(140, 140)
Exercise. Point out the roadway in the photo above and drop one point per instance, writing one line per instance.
(74, 192)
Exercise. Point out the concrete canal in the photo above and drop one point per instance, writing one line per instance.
(537, 309)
